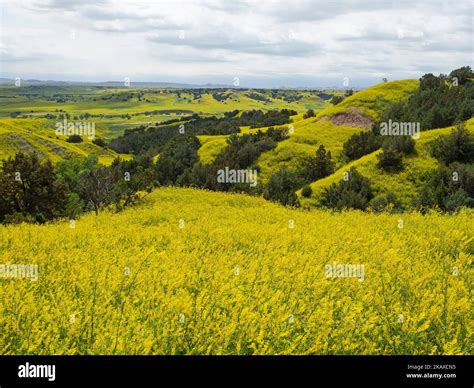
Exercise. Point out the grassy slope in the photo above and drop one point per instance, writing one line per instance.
(281, 274)
(310, 133)
(404, 184)
(372, 101)
(303, 142)
(212, 145)
(39, 134)
(157, 100)
(36, 131)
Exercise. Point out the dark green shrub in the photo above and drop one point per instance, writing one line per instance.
(458, 146)
(353, 193)
(74, 139)
(307, 191)
(390, 160)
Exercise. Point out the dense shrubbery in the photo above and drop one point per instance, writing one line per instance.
(74, 139)
(282, 186)
(360, 144)
(390, 160)
(336, 100)
(455, 147)
(29, 187)
(32, 189)
(100, 142)
(385, 202)
(241, 153)
(317, 167)
(309, 113)
(403, 144)
(153, 139)
(258, 118)
(306, 191)
(353, 193)
(439, 102)
(178, 155)
(394, 147)
(449, 188)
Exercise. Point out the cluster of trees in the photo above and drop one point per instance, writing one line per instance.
(438, 102)
(258, 118)
(32, 189)
(338, 99)
(179, 163)
(353, 192)
(258, 97)
(283, 184)
(221, 96)
(394, 148)
(282, 187)
(451, 186)
(360, 144)
(153, 139)
(317, 167)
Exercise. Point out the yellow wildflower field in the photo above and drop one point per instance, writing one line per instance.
(195, 272)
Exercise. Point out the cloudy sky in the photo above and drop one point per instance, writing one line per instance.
(263, 43)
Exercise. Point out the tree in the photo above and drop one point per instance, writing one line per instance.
(318, 167)
(448, 188)
(360, 144)
(390, 160)
(30, 186)
(308, 114)
(429, 81)
(307, 191)
(74, 139)
(458, 146)
(353, 193)
(178, 155)
(96, 186)
(348, 93)
(100, 142)
(336, 100)
(462, 75)
(132, 176)
(281, 187)
(402, 144)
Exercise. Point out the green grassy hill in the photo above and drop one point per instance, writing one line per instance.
(404, 184)
(372, 101)
(305, 138)
(38, 135)
(331, 127)
(23, 125)
(310, 133)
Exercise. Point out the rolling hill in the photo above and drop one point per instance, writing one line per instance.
(38, 136)
(404, 184)
(333, 125)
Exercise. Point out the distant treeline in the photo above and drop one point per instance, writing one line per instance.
(153, 139)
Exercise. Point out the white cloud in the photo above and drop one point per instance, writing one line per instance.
(267, 42)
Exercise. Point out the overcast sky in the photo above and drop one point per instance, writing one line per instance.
(263, 43)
